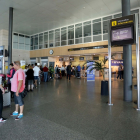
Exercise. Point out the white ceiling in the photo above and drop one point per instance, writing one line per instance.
(34, 16)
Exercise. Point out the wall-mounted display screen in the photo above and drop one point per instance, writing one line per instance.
(60, 59)
(71, 58)
(81, 58)
(122, 34)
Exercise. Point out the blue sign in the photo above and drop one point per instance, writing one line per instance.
(90, 75)
(116, 62)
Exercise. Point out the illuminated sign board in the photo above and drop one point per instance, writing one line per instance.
(122, 34)
(122, 30)
(116, 62)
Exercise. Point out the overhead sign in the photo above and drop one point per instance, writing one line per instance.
(122, 21)
(122, 30)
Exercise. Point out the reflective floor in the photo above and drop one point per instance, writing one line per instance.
(74, 110)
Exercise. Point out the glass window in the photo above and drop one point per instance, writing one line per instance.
(97, 28)
(96, 20)
(41, 38)
(57, 37)
(135, 11)
(31, 40)
(31, 48)
(36, 40)
(78, 33)
(118, 15)
(78, 30)
(97, 38)
(15, 41)
(87, 29)
(21, 42)
(105, 37)
(46, 40)
(40, 46)
(107, 18)
(51, 38)
(71, 35)
(35, 47)
(105, 27)
(63, 36)
(78, 40)
(71, 32)
(27, 43)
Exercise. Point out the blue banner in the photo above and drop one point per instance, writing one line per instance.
(90, 75)
(116, 62)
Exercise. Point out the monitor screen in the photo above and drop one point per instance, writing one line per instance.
(81, 58)
(60, 59)
(122, 34)
(71, 58)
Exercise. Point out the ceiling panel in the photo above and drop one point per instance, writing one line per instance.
(32, 16)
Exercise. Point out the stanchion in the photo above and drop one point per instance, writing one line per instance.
(109, 60)
(137, 55)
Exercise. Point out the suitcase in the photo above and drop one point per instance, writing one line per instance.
(7, 99)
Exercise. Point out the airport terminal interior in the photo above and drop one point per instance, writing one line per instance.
(96, 43)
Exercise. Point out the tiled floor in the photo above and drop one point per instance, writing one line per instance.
(75, 110)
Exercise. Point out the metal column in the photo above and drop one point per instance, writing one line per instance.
(137, 58)
(127, 57)
(10, 36)
(109, 62)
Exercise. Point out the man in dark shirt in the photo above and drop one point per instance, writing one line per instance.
(69, 71)
(45, 70)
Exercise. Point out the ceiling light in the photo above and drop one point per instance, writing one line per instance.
(84, 7)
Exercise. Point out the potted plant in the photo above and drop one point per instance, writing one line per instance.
(100, 66)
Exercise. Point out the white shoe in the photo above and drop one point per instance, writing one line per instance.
(2, 120)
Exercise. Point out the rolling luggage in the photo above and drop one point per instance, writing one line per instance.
(7, 99)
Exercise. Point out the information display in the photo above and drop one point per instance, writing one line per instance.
(122, 30)
(122, 34)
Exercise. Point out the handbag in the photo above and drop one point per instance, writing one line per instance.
(24, 93)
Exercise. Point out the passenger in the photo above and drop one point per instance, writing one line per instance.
(51, 71)
(18, 85)
(33, 65)
(25, 70)
(36, 70)
(132, 72)
(45, 70)
(120, 71)
(69, 68)
(63, 70)
(56, 72)
(83, 71)
(1, 102)
(78, 71)
(30, 78)
(10, 76)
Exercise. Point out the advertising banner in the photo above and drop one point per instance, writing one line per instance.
(22, 64)
(116, 62)
(90, 75)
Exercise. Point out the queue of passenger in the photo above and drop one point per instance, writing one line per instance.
(19, 80)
